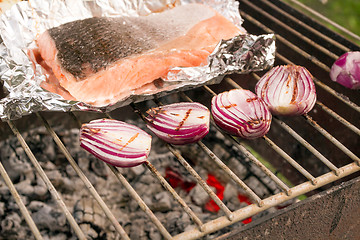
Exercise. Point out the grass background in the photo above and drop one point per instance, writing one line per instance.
(344, 12)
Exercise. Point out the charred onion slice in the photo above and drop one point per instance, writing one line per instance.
(241, 113)
(179, 123)
(287, 90)
(346, 70)
(115, 142)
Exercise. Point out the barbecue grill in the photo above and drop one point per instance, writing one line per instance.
(304, 157)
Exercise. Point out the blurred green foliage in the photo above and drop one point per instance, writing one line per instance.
(344, 12)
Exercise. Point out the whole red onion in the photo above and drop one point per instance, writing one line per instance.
(287, 90)
(179, 123)
(346, 70)
(241, 113)
(115, 142)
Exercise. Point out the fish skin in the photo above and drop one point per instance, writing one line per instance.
(100, 67)
(90, 45)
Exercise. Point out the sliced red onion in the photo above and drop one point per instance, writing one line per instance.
(287, 90)
(115, 142)
(241, 113)
(179, 123)
(346, 70)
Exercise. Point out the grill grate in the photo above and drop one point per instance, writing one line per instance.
(300, 41)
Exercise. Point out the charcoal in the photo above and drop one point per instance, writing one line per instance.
(88, 213)
(237, 167)
(196, 209)
(146, 179)
(150, 189)
(83, 163)
(35, 206)
(220, 152)
(60, 236)
(99, 168)
(199, 196)
(2, 208)
(171, 219)
(270, 184)
(48, 165)
(136, 171)
(19, 165)
(162, 202)
(137, 229)
(154, 234)
(89, 230)
(24, 187)
(60, 182)
(123, 218)
(11, 227)
(230, 194)
(133, 206)
(256, 186)
(49, 152)
(50, 218)
(184, 222)
(70, 171)
(4, 190)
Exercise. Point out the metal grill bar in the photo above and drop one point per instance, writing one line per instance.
(307, 27)
(285, 41)
(249, 155)
(175, 195)
(272, 201)
(290, 160)
(318, 103)
(48, 183)
(292, 30)
(299, 138)
(307, 56)
(188, 167)
(308, 146)
(227, 170)
(85, 180)
(332, 139)
(231, 174)
(278, 149)
(338, 117)
(20, 203)
(140, 202)
(200, 181)
(166, 185)
(327, 20)
(242, 213)
(339, 96)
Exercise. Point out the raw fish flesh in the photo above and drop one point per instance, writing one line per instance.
(100, 60)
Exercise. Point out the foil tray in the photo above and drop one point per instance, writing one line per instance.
(24, 21)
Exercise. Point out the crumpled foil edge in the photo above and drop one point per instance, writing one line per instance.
(242, 54)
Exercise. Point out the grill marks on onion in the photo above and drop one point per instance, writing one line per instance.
(179, 123)
(296, 75)
(187, 114)
(241, 113)
(117, 143)
(287, 90)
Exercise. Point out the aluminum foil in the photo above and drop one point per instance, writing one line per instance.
(20, 26)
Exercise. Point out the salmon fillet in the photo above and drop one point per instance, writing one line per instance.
(101, 60)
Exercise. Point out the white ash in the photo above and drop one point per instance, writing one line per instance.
(87, 212)
(199, 196)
